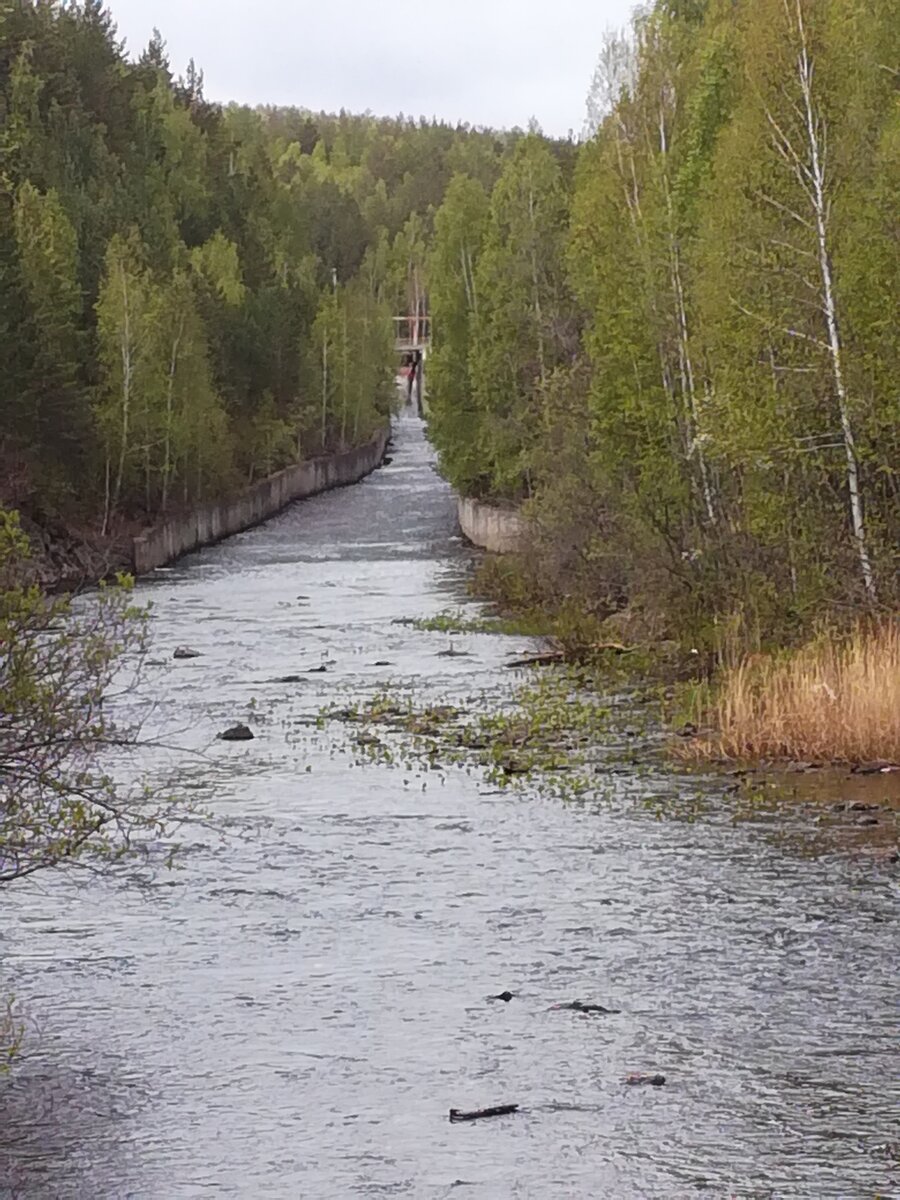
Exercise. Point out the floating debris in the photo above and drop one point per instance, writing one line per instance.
(499, 1110)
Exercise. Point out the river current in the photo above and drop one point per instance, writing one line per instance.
(293, 1010)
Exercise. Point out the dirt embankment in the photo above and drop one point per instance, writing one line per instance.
(64, 559)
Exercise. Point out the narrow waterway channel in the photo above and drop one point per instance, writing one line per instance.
(293, 1011)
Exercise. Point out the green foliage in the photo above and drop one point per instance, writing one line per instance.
(142, 371)
(58, 662)
(720, 449)
(459, 228)
(553, 737)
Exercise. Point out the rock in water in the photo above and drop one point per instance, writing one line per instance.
(652, 1080)
(186, 652)
(237, 733)
(580, 1007)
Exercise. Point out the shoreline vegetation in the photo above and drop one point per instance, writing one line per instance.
(676, 363)
(831, 701)
(834, 700)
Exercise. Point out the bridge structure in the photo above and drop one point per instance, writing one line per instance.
(412, 341)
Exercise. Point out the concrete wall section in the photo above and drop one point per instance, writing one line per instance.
(211, 522)
(499, 530)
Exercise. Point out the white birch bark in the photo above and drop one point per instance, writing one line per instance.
(821, 208)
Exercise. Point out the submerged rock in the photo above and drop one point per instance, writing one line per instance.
(504, 996)
(186, 652)
(237, 733)
(580, 1007)
(637, 1079)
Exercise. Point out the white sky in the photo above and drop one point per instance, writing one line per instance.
(493, 62)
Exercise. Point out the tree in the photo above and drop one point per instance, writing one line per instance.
(459, 229)
(127, 313)
(525, 326)
(776, 306)
(57, 417)
(59, 662)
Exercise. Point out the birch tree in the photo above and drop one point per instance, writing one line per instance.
(777, 204)
(459, 230)
(525, 316)
(127, 311)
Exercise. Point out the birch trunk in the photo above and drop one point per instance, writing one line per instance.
(170, 404)
(127, 352)
(818, 195)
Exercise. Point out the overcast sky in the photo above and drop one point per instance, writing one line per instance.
(488, 62)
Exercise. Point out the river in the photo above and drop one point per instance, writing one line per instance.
(293, 1011)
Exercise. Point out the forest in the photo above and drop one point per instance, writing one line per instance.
(674, 342)
(684, 358)
(191, 295)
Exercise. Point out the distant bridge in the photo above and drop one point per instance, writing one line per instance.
(412, 341)
(411, 334)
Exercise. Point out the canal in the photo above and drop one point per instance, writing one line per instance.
(294, 1009)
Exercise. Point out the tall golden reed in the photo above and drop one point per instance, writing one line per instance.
(835, 700)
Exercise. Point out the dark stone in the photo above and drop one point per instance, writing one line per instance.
(386, 461)
(637, 1079)
(580, 1007)
(186, 652)
(867, 821)
(855, 806)
(382, 663)
(317, 670)
(504, 996)
(290, 679)
(237, 733)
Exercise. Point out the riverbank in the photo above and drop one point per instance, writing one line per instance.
(831, 700)
(489, 527)
(204, 526)
(67, 558)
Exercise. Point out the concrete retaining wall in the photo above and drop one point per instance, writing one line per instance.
(499, 530)
(219, 519)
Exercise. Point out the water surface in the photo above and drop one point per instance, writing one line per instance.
(293, 1012)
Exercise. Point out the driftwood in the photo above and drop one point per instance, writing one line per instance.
(543, 659)
(501, 1110)
(546, 658)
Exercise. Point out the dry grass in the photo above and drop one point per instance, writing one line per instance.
(832, 701)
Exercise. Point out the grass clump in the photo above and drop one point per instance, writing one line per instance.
(455, 621)
(551, 735)
(834, 700)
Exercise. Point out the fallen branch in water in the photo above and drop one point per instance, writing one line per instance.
(546, 658)
(501, 1110)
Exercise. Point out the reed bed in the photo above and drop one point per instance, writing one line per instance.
(834, 700)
